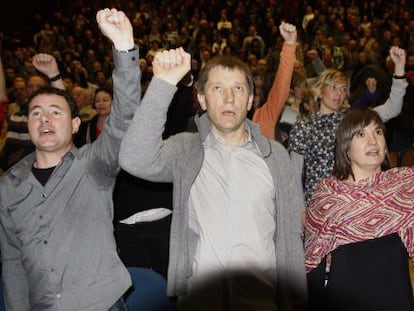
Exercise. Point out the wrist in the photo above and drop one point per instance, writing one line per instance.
(398, 76)
(124, 48)
(55, 77)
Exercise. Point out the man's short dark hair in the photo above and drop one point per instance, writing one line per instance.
(55, 91)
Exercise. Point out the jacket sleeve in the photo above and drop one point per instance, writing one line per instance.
(16, 292)
(297, 161)
(126, 96)
(393, 105)
(268, 114)
(290, 258)
(143, 152)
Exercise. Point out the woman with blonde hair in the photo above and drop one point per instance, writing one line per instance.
(312, 142)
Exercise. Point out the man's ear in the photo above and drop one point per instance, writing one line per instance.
(76, 122)
(250, 102)
(202, 101)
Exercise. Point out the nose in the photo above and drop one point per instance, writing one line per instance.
(372, 139)
(340, 91)
(44, 117)
(229, 95)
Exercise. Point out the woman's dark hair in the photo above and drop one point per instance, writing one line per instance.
(353, 122)
(63, 93)
(105, 89)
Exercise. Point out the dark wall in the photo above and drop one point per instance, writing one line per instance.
(17, 18)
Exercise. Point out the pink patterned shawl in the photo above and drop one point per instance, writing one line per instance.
(342, 212)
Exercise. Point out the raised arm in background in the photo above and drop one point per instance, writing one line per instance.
(268, 114)
(46, 64)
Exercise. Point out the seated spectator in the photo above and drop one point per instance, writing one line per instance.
(19, 94)
(83, 101)
(90, 130)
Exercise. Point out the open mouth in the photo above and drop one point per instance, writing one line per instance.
(47, 131)
(228, 113)
(373, 153)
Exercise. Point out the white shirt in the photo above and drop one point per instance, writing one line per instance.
(232, 210)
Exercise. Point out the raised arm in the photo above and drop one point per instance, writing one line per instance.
(46, 64)
(143, 152)
(126, 76)
(393, 105)
(268, 114)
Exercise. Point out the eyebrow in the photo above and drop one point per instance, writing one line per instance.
(51, 106)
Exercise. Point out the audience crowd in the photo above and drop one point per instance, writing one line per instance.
(349, 36)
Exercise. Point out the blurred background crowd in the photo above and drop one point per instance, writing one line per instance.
(352, 36)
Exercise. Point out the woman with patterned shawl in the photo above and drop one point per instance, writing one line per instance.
(312, 142)
(360, 225)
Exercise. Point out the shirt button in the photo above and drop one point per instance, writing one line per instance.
(44, 195)
(58, 296)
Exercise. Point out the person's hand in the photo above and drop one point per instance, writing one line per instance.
(371, 84)
(398, 57)
(46, 64)
(171, 65)
(288, 32)
(116, 26)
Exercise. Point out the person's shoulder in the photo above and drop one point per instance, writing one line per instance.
(18, 169)
(303, 125)
(186, 139)
(276, 144)
(279, 150)
(399, 173)
(333, 184)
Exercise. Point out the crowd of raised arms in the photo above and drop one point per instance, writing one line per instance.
(258, 155)
(346, 35)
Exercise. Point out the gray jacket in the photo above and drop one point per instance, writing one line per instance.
(57, 244)
(179, 160)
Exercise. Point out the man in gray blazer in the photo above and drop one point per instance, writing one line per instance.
(236, 231)
(56, 235)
